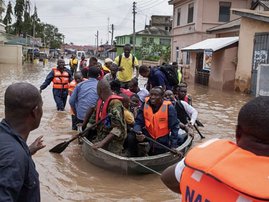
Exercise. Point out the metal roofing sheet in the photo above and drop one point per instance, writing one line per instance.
(213, 44)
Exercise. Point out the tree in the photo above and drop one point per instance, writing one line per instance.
(8, 19)
(32, 25)
(27, 28)
(19, 12)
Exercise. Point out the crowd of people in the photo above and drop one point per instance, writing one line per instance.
(135, 111)
(128, 114)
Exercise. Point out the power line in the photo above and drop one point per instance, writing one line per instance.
(153, 5)
(144, 4)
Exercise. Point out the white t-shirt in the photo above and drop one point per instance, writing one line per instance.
(190, 111)
(142, 94)
(181, 165)
(179, 169)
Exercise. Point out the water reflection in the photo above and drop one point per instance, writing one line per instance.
(69, 177)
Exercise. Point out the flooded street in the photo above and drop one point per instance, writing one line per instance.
(69, 177)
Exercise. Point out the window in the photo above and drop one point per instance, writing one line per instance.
(190, 13)
(188, 56)
(165, 42)
(151, 40)
(144, 40)
(224, 11)
(178, 16)
(131, 40)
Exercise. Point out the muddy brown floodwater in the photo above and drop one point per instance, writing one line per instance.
(69, 177)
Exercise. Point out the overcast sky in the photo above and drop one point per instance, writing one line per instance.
(79, 20)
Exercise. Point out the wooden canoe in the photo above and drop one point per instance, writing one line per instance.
(131, 165)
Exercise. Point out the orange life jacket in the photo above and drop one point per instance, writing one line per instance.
(72, 85)
(61, 79)
(156, 123)
(100, 114)
(226, 174)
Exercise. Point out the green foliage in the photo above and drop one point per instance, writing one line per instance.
(153, 52)
(31, 25)
(19, 11)
(8, 19)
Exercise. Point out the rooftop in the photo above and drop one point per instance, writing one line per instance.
(253, 14)
(234, 24)
(213, 44)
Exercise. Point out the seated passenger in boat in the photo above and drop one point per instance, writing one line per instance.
(128, 115)
(180, 92)
(157, 120)
(112, 132)
(169, 96)
(135, 104)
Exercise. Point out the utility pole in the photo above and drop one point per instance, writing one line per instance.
(107, 30)
(112, 34)
(97, 36)
(33, 40)
(134, 12)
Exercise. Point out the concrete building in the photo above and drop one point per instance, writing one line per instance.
(151, 35)
(161, 21)
(192, 19)
(253, 48)
(213, 62)
(260, 5)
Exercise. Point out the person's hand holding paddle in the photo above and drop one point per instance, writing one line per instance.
(140, 136)
(98, 145)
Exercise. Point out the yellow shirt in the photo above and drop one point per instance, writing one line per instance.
(73, 62)
(128, 117)
(105, 68)
(127, 73)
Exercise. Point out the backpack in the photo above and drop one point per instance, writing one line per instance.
(170, 73)
(120, 57)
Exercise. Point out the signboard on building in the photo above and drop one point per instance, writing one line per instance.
(262, 80)
(207, 60)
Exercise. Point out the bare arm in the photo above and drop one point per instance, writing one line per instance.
(87, 117)
(104, 142)
(169, 179)
(36, 145)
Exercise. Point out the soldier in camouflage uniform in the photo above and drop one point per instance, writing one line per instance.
(112, 132)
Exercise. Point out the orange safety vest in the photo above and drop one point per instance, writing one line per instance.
(60, 80)
(72, 85)
(101, 114)
(156, 123)
(229, 174)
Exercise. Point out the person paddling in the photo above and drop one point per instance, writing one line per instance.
(156, 119)
(111, 133)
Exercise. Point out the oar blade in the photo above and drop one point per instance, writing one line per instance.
(59, 148)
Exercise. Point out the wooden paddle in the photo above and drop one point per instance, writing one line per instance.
(189, 118)
(59, 148)
(165, 147)
(196, 128)
(160, 144)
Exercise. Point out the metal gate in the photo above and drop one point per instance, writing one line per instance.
(260, 56)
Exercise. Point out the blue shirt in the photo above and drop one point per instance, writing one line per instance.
(158, 78)
(84, 96)
(19, 180)
(173, 124)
